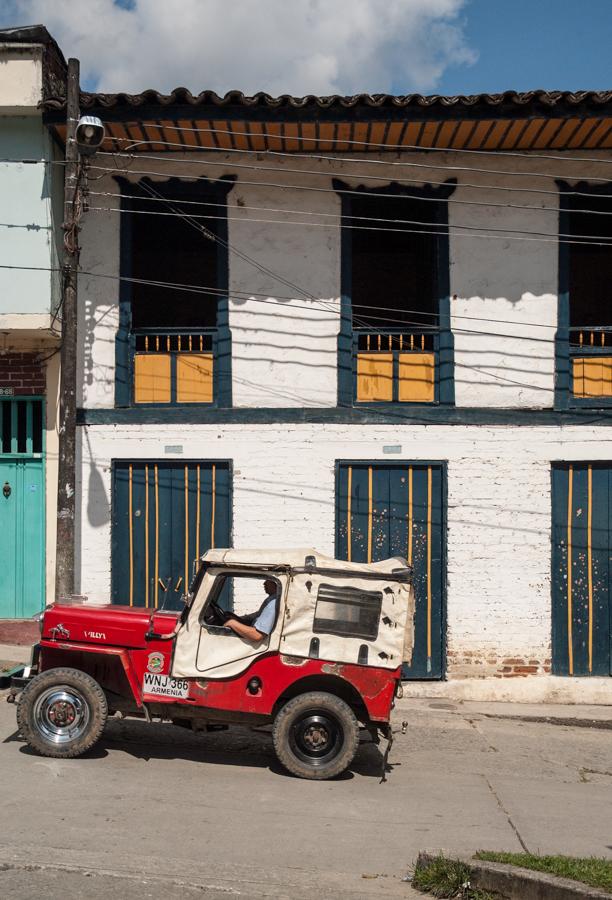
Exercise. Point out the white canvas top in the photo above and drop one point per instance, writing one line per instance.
(296, 558)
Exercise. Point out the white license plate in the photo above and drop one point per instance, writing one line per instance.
(165, 686)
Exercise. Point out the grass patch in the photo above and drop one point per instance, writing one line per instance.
(444, 877)
(591, 870)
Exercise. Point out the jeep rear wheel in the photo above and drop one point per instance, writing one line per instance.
(316, 735)
(62, 713)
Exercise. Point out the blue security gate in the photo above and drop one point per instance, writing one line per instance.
(22, 508)
(397, 509)
(582, 568)
(165, 515)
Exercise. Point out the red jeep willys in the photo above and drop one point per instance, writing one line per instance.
(339, 632)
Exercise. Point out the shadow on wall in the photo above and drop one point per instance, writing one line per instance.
(98, 504)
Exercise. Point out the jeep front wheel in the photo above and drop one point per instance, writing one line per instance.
(62, 713)
(316, 735)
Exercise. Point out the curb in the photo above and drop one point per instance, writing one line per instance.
(566, 719)
(514, 883)
(570, 722)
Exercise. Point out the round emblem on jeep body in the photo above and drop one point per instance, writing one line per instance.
(155, 662)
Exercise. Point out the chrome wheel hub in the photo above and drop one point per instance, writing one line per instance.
(61, 714)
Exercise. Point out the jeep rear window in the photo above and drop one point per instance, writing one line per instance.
(347, 611)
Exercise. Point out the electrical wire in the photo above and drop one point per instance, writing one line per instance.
(335, 313)
(454, 201)
(126, 170)
(368, 193)
(230, 248)
(397, 147)
(413, 165)
(356, 175)
(506, 233)
(275, 275)
(458, 364)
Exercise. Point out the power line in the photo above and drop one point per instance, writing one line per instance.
(258, 297)
(451, 201)
(506, 233)
(211, 236)
(397, 147)
(229, 248)
(335, 313)
(350, 191)
(417, 165)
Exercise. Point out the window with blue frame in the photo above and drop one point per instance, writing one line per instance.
(584, 336)
(395, 343)
(173, 344)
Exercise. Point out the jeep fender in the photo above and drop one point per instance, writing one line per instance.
(50, 659)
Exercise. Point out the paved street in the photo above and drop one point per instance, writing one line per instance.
(155, 807)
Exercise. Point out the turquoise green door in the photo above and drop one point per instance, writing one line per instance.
(165, 515)
(22, 509)
(397, 509)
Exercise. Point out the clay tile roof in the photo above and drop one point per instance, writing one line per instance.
(180, 96)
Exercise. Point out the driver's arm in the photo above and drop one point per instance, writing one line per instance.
(246, 631)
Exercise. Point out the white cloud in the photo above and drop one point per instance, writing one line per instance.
(279, 46)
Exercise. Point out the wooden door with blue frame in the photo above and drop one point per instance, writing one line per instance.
(165, 515)
(398, 509)
(22, 508)
(581, 568)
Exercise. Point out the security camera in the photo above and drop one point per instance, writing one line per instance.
(89, 135)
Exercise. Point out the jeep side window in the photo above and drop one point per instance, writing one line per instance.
(247, 596)
(347, 612)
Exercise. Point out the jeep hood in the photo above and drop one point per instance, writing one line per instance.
(109, 625)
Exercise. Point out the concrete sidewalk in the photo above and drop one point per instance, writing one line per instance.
(17, 652)
(580, 715)
(599, 715)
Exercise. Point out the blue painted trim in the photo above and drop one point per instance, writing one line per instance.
(446, 345)
(345, 335)
(124, 349)
(124, 339)
(601, 546)
(563, 366)
(377, 414)
(442, 466)
(222, 372)
(167, 464)
(347, 377)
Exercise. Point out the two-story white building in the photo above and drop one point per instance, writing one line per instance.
(31, 196)
(373, 325)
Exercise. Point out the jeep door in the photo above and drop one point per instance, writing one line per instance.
(213, 651)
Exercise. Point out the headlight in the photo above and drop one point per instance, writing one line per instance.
(39, 617)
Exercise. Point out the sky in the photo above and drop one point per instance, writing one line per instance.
(330, 46)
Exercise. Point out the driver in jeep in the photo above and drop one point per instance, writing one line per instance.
(258, 625)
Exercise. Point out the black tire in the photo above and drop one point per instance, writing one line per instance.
(316, 735)
(62, 713)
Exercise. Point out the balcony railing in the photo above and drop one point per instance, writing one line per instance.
(591, 362)
(396, 365)
(174, 365)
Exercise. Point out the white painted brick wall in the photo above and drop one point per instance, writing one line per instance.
(504, 291)
(504, 298)
(499, 507)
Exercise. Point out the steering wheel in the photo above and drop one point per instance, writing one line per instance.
(219, 615)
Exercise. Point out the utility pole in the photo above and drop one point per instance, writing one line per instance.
(66, 475)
